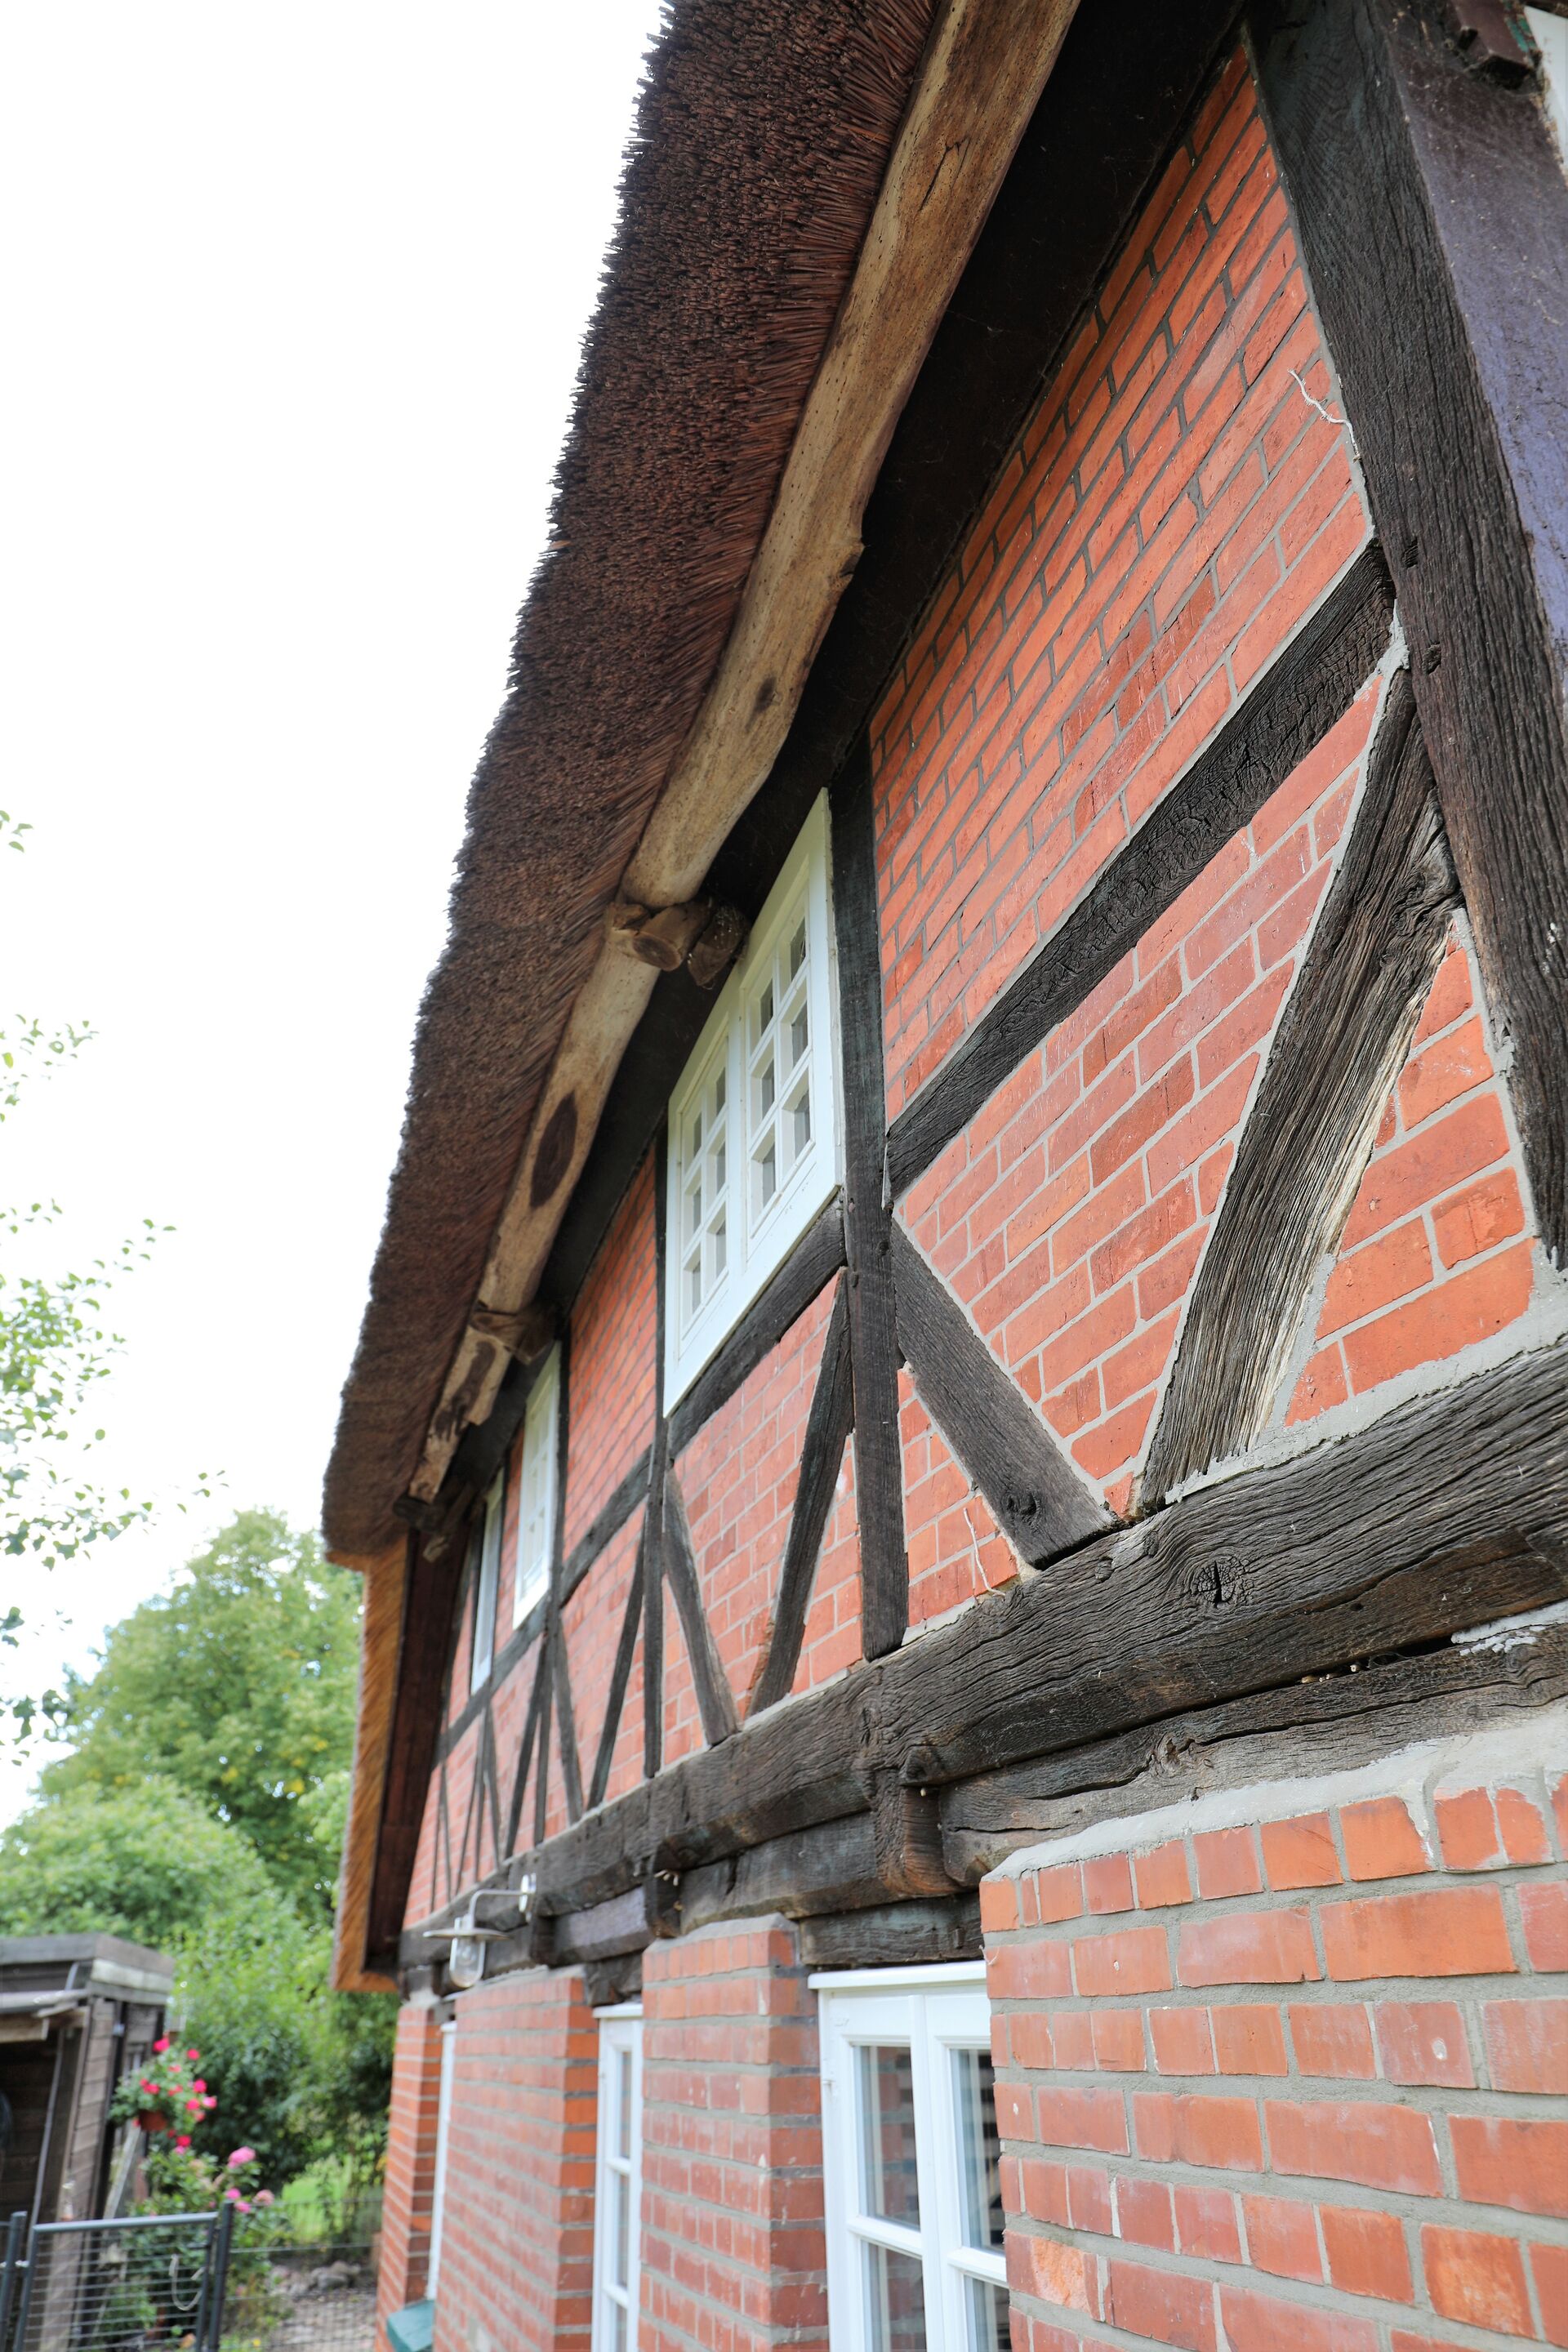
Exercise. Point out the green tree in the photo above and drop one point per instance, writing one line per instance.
(147, 1863)
(238, 1685)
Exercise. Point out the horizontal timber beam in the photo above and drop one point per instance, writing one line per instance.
(1445, 1512)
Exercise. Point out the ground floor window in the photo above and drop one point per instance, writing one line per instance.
(911, 2161)
(443, 2135)
(619, 2169)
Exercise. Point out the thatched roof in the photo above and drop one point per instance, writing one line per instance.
(763, 134)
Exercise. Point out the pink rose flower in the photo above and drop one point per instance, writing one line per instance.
(161, 2046)
(194, 2056)
(241, 2156)
(265, 2196)
(184, 2140)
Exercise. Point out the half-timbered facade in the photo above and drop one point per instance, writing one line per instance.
(960, 1450)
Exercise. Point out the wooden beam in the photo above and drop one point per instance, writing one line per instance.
(715, 1699)
(1040, 1500)
(1443, 1513)
(1440, 187)
(428, 1598)
(827, 1428)
(984, 69)
(1341, 1044)
(652, 1549)
(868, 1218)
(895, 1935)
(525, 1752)
(832, 1867)
(620, 1675)
(628, 1923)
(1310, 684)
(542, 1778)
(780, 1304)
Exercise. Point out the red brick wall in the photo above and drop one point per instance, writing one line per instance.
(410, 2162)
(1069, 1216)
(1293, 2085)
(518, 2227)
(1438, 1251)
(1174, 507)
(733, 2251)
(612, 1368)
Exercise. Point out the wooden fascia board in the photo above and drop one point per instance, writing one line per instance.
(385, 1576)
(984, 69)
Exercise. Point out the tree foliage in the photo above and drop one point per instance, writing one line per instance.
(147, 1863)
(238, 1684)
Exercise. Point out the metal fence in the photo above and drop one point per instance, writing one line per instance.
(180, 2282)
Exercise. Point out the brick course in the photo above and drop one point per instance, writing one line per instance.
(1180, 498)
(732, 2250)
(410, 2178)
(1291, 2083)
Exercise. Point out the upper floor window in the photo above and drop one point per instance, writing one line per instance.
(488, 1536)
(913, 2162)
(753, 1124)
(536, 1488)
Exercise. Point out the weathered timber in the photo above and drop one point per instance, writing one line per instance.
(1038, 1499)
(809, 1267)
(430, 1592)
(652, 1547)
(542, 1778)
(867, 1218)
(715, 1699)
(1445, 1512)
(566, 1726)
(907, 1835)
(628, 1923)
(1333, 1724)
(620, 1675)
(559, 1670)
(984, 68)
(525, 1752)
(827, 1429)
(607, 1982)
(1433, 214)
(833, 1867)
(1342, 1042)
(895, 1935)
(492, 1788)
(1310, 684)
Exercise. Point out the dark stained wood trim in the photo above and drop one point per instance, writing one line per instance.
(1433, 217)
(1041, 1503)
(715, 1699)
(895, 1935)
(429, 1603)
(525, 1753)
(560, 1674)
(566, 1726)
(810, 1265)
(492, 1789)
(831, 1866)
(1310, 684)
(1342, 1042)
(658, 1462)
(827, 1428)
(625, 1649)
(1443, 1513)
(542, 1778)
(611, 1519)
(906, 1829)
(444, 1836)
(628, 1923)
(868, 1216)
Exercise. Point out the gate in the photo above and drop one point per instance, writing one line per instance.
(155, 2281)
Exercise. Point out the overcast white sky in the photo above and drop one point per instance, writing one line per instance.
(293, 300)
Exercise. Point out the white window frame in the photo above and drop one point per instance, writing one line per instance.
(487, 1581)
(620, 2036)
(443, 2137)
(758, 1237)
(537, 1472)
(934, 2011)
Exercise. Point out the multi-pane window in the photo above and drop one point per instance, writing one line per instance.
(753, 1124)
(913, 2162)
(443, 2136)
(536, 1488)
(487, 1539)
(619, 2170)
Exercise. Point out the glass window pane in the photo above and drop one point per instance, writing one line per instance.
(889, 2182)
(767, 1175)
(895, 2301)
(620, 2326)
(799, 1033)
(766, 1088)
(987, 2315)
(979, 2147)
(620, 2189)
(797, 948)
(800, 1122)
(623, 2103)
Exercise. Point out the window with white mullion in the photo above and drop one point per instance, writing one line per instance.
(705, 1186)
(619, 2182)
(536, 1481)
(915, 2260)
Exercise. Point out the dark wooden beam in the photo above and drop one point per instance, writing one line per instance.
(867, 1218)
(1038, 1498)
(1433, 214)
(1443, 1513)
(652, 1549)
(620, 1675)
(628, 1923)
(1332, 1723)
(783, 1299)
(895, 1935)
(1310, 684)
(1342, 1042)
(827, 1428)
(906, 1829)
(525, 1752)
(607, 1525)
(830, 1867)
(430, 1595)
(715, 1699)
